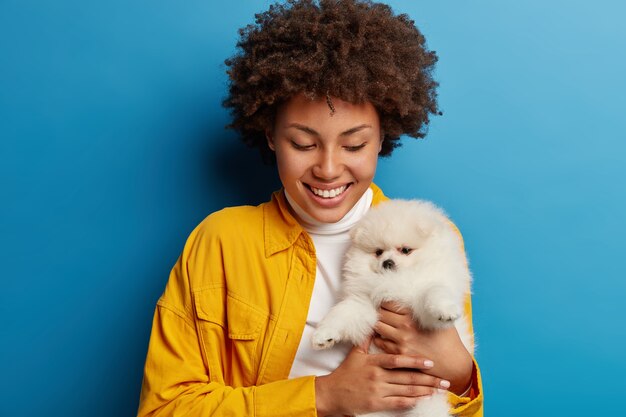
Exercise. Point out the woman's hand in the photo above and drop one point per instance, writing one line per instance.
(398, 333)
(366, 383)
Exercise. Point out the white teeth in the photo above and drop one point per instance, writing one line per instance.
(329, 193)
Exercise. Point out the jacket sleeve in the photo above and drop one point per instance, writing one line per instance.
(471, 404)
(177, 379)
(176, 382)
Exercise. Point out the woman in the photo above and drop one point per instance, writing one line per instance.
(323, 89)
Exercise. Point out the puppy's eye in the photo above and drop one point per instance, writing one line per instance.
(379, 252)
(405, 250)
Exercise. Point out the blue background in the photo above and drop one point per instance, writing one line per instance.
(113, 148)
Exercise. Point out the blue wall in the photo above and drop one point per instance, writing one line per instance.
(112, 148)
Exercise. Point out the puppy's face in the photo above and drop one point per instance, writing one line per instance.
(391, 259)
(389, 246)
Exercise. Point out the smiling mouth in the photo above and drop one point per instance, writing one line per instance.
(330, 193)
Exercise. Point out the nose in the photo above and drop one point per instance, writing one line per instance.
(328, 166)
(389, 264)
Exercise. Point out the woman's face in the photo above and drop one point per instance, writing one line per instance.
(326, 162)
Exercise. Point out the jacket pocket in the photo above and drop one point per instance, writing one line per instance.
(232, 332)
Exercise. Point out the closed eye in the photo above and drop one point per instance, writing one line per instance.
(355, 148)
(302, 147)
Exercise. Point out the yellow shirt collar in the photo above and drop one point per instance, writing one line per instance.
(281, 229)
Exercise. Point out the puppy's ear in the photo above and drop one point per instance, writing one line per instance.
(365, 236)
(422, 231)
(356, 233)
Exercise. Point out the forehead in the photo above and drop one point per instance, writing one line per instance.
(317, 113)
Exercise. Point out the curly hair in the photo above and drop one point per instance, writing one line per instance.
(354, 50)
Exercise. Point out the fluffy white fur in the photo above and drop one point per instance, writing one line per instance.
(431, 280)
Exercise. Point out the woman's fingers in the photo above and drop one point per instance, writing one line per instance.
(398, 340)
(366, 383)
(404, 375)
(393, 307)
(385, 330)
(403, 378)
(388, 361)
(387, 345)
(395, 316)
(429, 383)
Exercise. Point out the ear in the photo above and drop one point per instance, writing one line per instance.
(270, 139)
(423, 231)
(356, 232)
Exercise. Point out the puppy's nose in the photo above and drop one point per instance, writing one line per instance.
(389, 264)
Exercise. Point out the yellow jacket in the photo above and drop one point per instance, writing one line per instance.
(227, 327)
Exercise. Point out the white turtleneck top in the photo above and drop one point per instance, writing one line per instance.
(331, 242)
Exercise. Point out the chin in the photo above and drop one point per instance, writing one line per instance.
(408, 252)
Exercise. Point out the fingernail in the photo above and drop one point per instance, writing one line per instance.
(429, 364)
(445, 384)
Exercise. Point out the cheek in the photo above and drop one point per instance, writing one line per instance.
(407, 261)
(365, 166)
(376, 265)
(288, 164)
(400, 260)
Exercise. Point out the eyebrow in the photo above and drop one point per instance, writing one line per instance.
(313, 132)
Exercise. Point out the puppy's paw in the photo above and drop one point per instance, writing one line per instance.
(324, 337)
(443, 312)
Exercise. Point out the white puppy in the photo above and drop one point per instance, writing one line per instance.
(407, 252)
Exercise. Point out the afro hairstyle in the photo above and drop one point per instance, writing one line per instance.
(355, 50)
